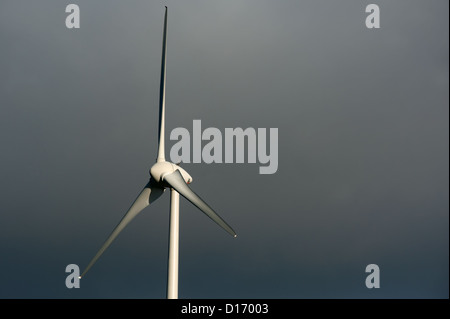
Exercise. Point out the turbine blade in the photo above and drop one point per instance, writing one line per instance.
(162, 96)
(176, 181)
(149, 194)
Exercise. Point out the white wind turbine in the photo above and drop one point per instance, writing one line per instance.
(164, 174)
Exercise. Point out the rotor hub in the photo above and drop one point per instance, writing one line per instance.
(161, 169)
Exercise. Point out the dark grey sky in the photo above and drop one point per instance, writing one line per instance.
(363, 147)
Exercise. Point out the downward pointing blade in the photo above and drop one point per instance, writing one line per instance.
(150, 193)
(176, 181)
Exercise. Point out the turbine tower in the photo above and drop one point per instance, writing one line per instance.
(164, 174)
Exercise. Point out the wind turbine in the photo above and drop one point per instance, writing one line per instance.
(164, 174)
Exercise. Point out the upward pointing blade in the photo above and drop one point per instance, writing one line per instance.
(162, 95)
(149, 194)
(176, 181)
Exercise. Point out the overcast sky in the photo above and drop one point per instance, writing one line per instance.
(363, 147)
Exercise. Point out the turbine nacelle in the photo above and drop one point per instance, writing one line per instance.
(160, 169)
